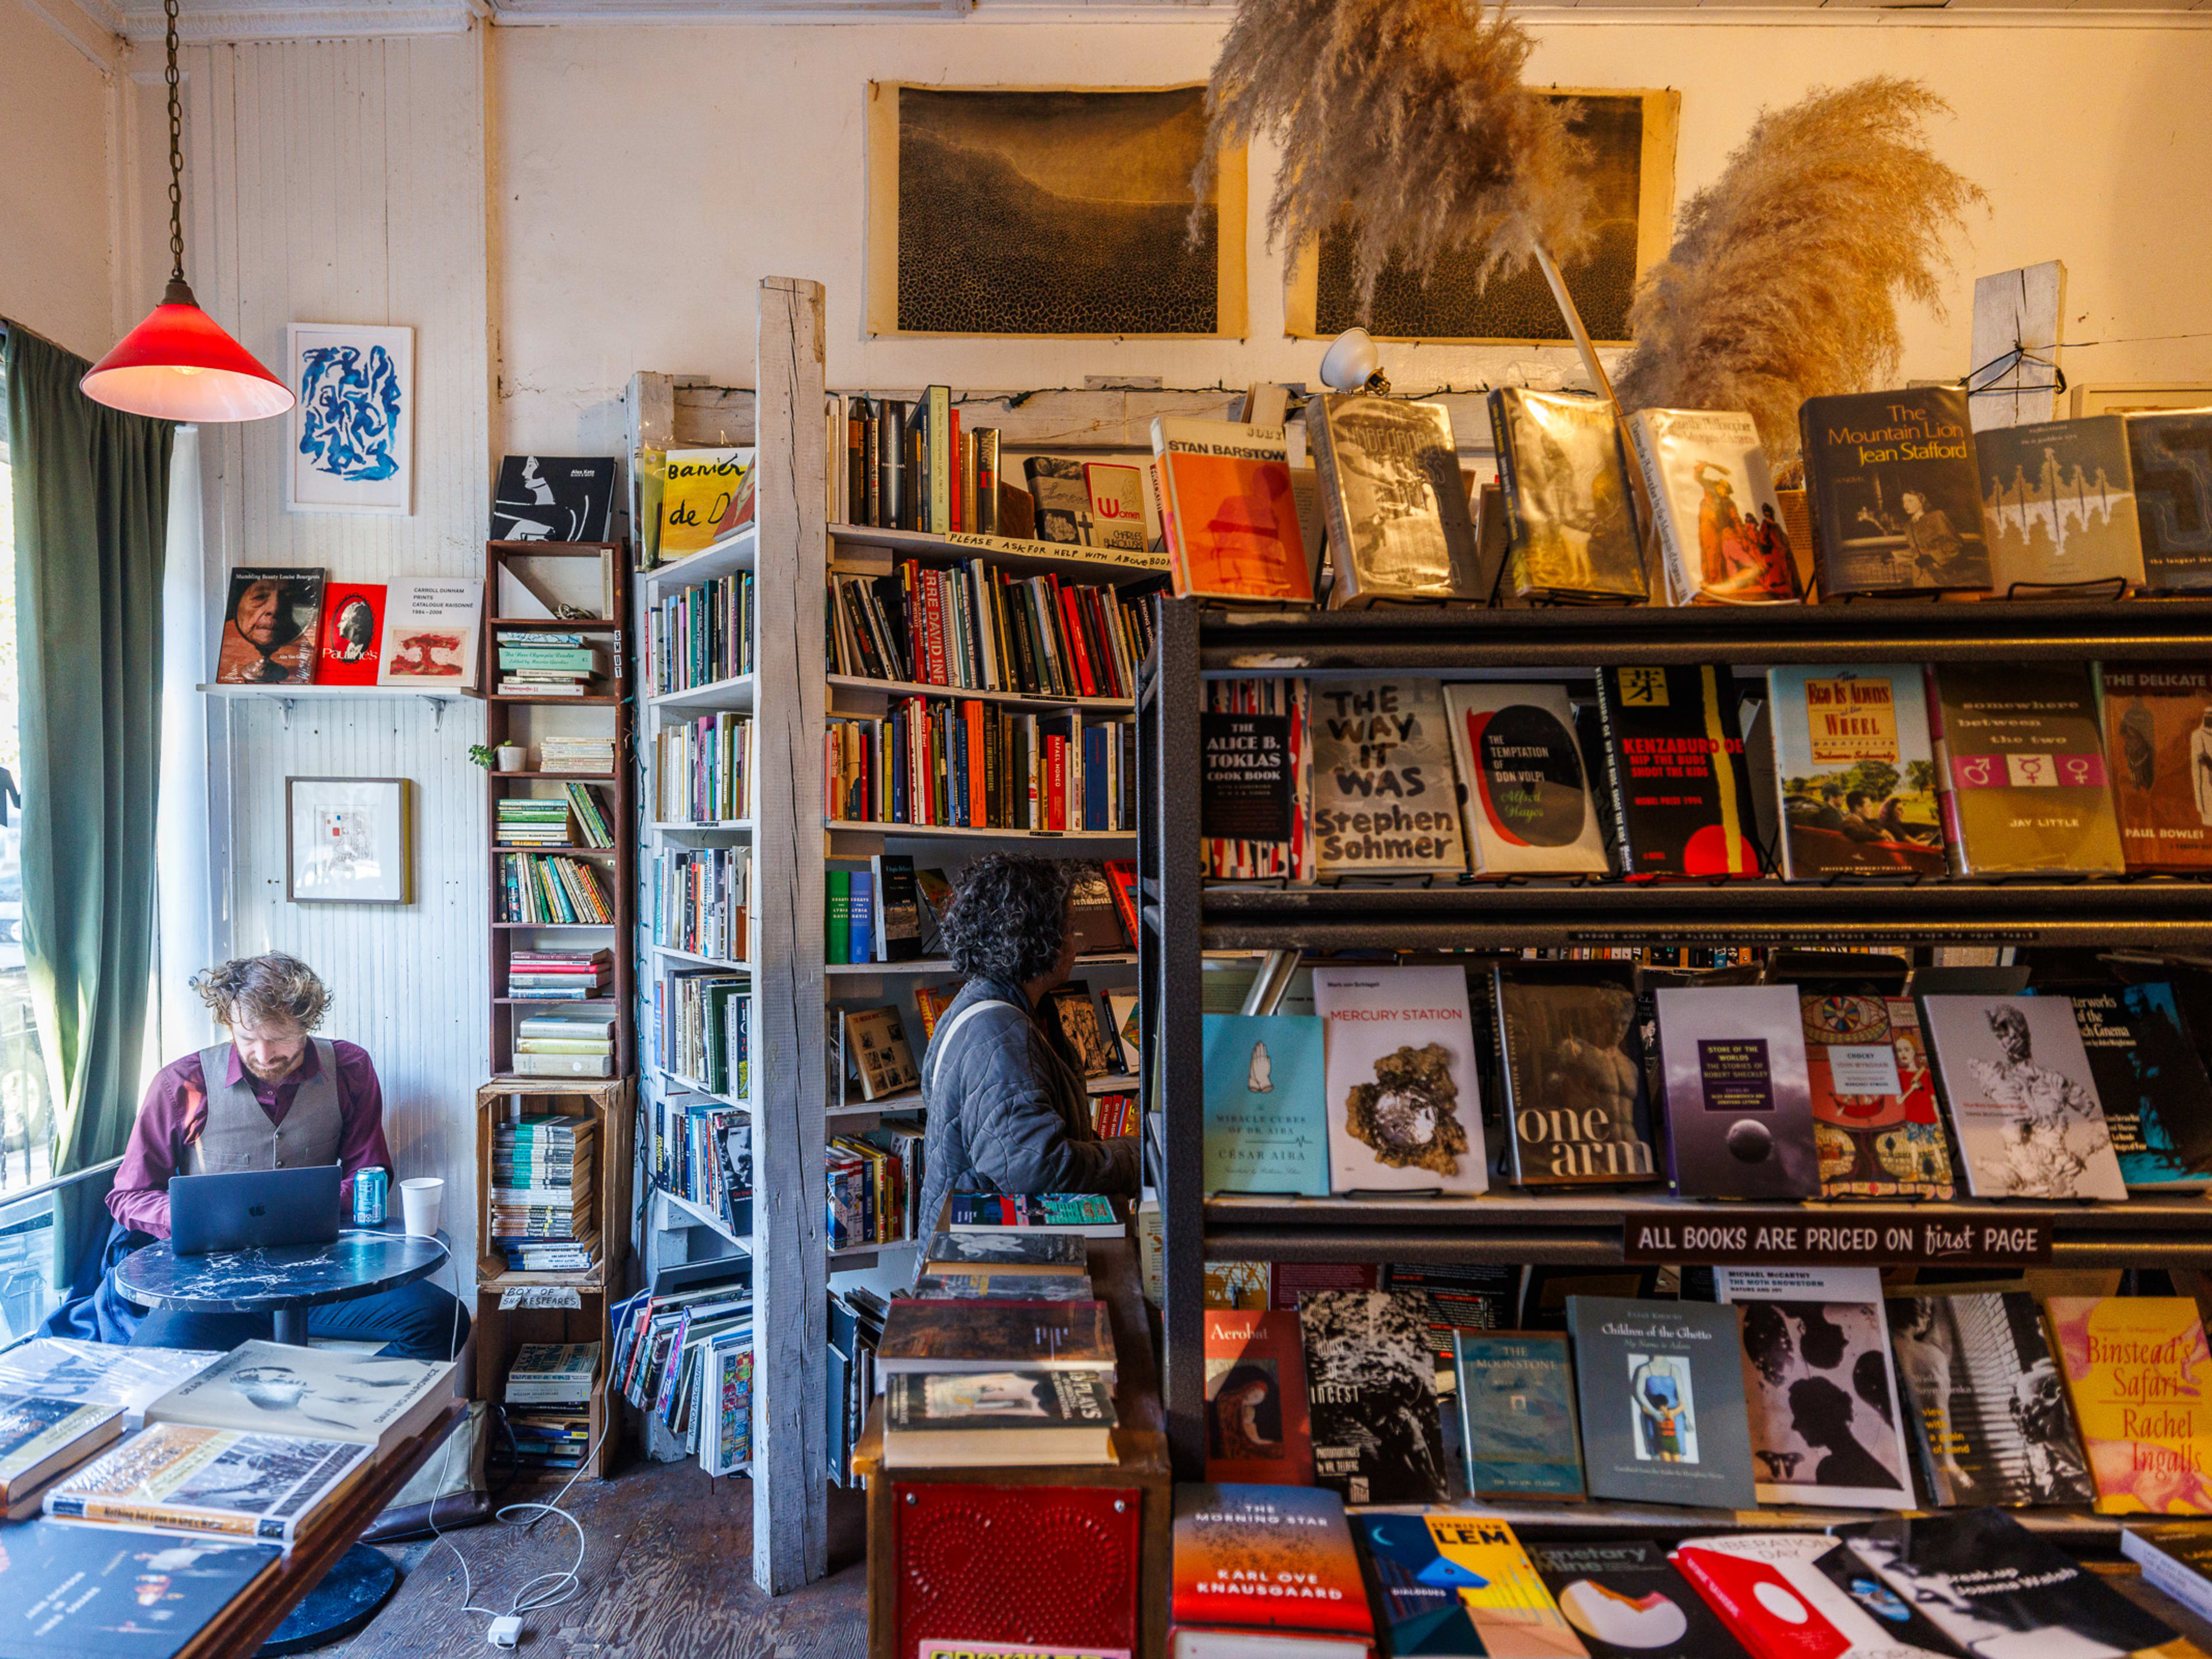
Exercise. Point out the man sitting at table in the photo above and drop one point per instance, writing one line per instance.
(273, 1097)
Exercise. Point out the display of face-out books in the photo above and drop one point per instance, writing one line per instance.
(173, 1477)
(1739, 1107)
(271, 626)
(1720, 525)
(1232, 1540)
(2150, 1080)
(1572, 1064)
(1682, 790)
(1383, 797)
(315, 1393)
(1574, 536)
(2166, 450)
(1256, 1422)
(1393, 499)
(1896, 498)
(2020, 769)
(1874, 1119)
(2058, 503)
(2139, 1380)
(99, 1373)
(1461, 1582)
(1659, 1390)
(2157, 750)
(1371, 1383)
(106, 1593)
(1854, 771)
(1627, 1601)
(1266, 1109)
(991, 1419)
(1516, 1394)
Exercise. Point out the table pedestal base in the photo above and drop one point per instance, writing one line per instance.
(292, 1327)
(349, 1594)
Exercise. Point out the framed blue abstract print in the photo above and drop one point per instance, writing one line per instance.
(351, 437)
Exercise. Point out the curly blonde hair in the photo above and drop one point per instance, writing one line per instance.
(274, 990)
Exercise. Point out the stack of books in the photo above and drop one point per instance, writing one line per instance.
(561, 1045)
(558, 976)
(875, 1184)
(545, 665)
(549, 888)
(549, 1398)
(533, 821)
(541, 1193)
(585, 754)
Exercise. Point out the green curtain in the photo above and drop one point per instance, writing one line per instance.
(92, 493)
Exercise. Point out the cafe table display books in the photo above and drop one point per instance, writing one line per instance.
(1627, 1601)
(2058, 505)
(1875, 1124)
(271, 626)
(1526, 800)
(1739, 1101)
(1234, 532)
(1681, 787)
(1791, 1595)
(1516, 1394)
(1985, 1403)
(1003, 1418)
(2166, 451)
(1384, 799)
(1659, 1387)
(926, 1337)
(1896, 498)
(1854, 770)
(1990, 1587)
(2023, 1101)
(2141, 1383)
(2020, 771)
(1826, 1428)
(40, 1438)
(1720, 524)
(1256, 1422)
(2158, 747)
(1238, 1548)
(996, 1253)
(1372, 1391)
(321, 1394)
(86, 1593)
(1393, 499)
(1266, 1110)
(1573, 536)
(1460, 1583)
(1571, 1061)
(99, 1373)
(1088, 1215)
(2176, 1558)
(177, 1477)
(2149, 1079)
(1405, 1113)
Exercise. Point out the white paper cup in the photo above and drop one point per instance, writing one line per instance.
(418, 1205)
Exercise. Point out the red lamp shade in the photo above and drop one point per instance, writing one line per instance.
(179, 366)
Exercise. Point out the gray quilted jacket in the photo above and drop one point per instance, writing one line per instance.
(1007, 1112)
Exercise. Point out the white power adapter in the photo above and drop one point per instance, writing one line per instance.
(505, 1633)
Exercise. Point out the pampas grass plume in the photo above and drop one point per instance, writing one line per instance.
(1785, 276)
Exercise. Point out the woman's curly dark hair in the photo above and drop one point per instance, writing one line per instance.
(1008, 917)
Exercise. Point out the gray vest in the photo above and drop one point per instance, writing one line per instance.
(239, 1135)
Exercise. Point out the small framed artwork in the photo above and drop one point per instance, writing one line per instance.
(2142, 396)
(348, 841)
(352, 432)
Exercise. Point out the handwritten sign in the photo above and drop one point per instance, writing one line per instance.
(707, 495)
(1842, 1238)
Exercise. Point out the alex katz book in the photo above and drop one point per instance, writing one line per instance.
(2023, 1101)
(2019, 766)
(2150, 1081)
(1854, 770)
(1267, 1111)
(553, 498)
(1993, 1587)
(1788, 1595)
(2170, 459)
(1461, 1582)
(1720, 524)
(353, 631)
(1625, 1601)
(1897, 501)
(1384, 803)
(1393, 500)
(1739, 1098)
(2058, 505)
(2141, 1382)
(1256, 1425)
(1659, 1387)
(1236, 526)
(1825, 1425)
(1681, 790)
(271, 623)
(1523, 790)
(2158, 746)
(1875, 1124)
(1574, 534)
(1405, 1112)
(1516, 1393)
(931, 1337)
(1237, 1546)
(1572, 1064)
(1371, 1389)
(1990, 1423)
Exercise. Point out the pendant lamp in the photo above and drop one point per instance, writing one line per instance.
(178, 364)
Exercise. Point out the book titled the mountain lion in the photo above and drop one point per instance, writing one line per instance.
(1393, 501)
(1574, 531)
(1896, 498)
(1371, 1384)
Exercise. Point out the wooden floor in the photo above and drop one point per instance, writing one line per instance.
(667, 1575)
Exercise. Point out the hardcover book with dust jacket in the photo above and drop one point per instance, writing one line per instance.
(2058, 505)
(1720, 525)
(2158, 744)
(1660, 1389)
(1235, 1544)
(1572, 1064)
(1461, 1582)
(1681, 788)
(2150, 1080)
(2020, 769)
(1516, 1394)
(1523, 791)
(1627, 1602)
(1986, 1403)
(1896, 498)
(1384, 799)
(1405, 1112)
(1235, 524)
(1876, 1122)
(1371, 1389)
(1393, 499)
(2170, 459)
(1739, 1106)
(1854, 771)
(1574, 534)
(2140, 1379)
(1256, 1424)
(2023, 1100)
(271, 626)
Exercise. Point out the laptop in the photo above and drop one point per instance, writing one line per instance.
(253, 1208)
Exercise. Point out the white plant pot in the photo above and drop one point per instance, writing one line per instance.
(512, 757)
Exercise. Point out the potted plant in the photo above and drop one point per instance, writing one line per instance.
(508, 757)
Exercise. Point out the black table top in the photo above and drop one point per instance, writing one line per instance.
(359, 1262)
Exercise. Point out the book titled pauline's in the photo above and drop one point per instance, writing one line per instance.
(1371, 1387)
(1574, 532)
(2020, 769)
(1660, 1386)
(1896, 498)
(1392, 496)
(1682, 789)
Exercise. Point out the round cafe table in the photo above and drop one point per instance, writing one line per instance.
(285, 1282)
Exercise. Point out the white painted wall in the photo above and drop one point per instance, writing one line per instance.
(56, 269)
(650, 177)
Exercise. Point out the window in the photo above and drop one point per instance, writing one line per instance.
(26, 1112)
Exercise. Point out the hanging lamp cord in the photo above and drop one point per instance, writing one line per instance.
(176, 162)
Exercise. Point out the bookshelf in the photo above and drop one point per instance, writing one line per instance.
(1183, 919)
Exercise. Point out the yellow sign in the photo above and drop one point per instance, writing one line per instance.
(708, 495)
